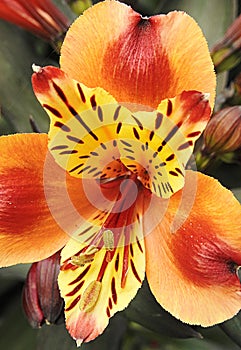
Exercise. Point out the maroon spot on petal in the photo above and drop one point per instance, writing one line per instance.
(131, 250)
(171, 157)
(135, 272)
(185, 145)
(81, 92)
(113, 290)
(158, 121)
(100, 113)
(136, 134)
(171, 172)
(118, 127)
(93, 102)
(81, 276)
(139, 245)
(76, 167)
(169, 108)
(138, 122)
(72, 305)
(151, 135)
(59, 147)
(52, 110)
(60, 93)
(194, 134)
(108, 312)
(74, 139)
(62, 126)
(110, 303)
(117, 262)
(75, 290)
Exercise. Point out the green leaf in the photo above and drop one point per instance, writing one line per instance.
(233, 328)
(147, 312)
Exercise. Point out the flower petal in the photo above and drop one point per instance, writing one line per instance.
(96, 286)
(83, 127)
(197, 248)
(157, 145)
(138, 60)
(27, 230)
(41, 206)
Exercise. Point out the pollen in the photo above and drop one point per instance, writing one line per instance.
(108, 238)
(90, 296)
(82, 259)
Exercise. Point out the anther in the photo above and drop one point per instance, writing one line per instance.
(82, 259)
(90, 296)
(108, 238)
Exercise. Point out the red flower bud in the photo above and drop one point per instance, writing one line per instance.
(226, 53)
(222, 134)
(41, 17)
(41, 297)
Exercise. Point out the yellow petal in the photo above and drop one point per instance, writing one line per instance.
(157, 145)
(83, 130)
(96, 290)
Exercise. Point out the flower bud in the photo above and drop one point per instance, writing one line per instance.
(226, 54)
(42, 302)
(40, 17)
(223, 132)
(79, 6)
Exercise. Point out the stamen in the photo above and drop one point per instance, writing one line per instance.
(81, 260)
(91, 250)
(108, 238)
(84, 258)
(90, 296)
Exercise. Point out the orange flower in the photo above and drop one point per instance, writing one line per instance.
(41, 17)
(109, 182)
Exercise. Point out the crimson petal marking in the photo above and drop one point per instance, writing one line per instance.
(105, 274)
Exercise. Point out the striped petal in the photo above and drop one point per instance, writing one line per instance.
(197, 248)
(83, 128)
(28, 232)
(98, 281)
(90, 132)
(138, 60)
(157, 145)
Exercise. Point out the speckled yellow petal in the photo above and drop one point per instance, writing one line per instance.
(82, 135)
(157, 145)
(96, 282)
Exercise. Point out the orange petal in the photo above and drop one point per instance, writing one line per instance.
(197, 248)
(27, 230)
(136, 59)
(96, 286)
(40, 202)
